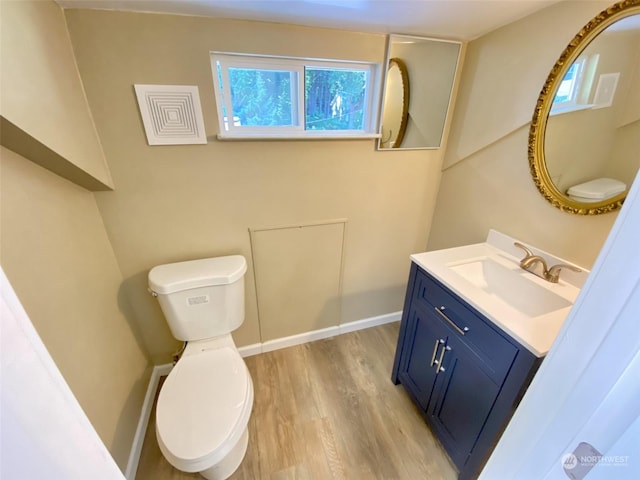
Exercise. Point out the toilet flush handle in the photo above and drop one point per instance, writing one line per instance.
(153, 294)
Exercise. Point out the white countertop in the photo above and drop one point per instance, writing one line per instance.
(536, 333)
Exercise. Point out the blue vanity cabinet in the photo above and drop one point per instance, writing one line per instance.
(464, 373)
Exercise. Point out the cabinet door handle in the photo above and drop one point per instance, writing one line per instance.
(439, 367)
(435, 351)
(461, 331)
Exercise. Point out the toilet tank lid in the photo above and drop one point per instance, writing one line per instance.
(176, 277)
(600, 188)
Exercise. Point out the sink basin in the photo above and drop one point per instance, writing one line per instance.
(488, 277)
(514, 287)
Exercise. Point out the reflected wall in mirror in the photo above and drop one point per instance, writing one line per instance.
(395, 109)
(585, 133)
(431, 66)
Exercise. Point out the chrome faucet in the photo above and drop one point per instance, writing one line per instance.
(530, 261)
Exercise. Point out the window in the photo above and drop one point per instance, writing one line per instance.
(288, 98)
(568, 88)
(574, 90)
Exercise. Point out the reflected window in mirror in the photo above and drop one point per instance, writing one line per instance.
(569, 85)
(574, 92)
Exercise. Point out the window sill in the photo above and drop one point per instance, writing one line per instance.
(324, 136)
(570, 109)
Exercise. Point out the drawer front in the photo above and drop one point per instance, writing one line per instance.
(490, 344)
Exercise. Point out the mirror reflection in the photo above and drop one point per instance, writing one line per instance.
(593, 132)
(395, 109)
(431, 66)
(585, 131)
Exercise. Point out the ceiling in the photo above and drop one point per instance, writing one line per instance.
(454, 19)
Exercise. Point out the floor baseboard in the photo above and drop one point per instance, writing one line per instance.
(143, 422)
(314, 335)
(245, 351)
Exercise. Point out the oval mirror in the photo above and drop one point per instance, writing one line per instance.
(585, 132)
(396, 105)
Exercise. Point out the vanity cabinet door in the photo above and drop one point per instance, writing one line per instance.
(425, 341)
(462, 399)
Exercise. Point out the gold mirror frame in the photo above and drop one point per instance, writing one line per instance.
(404, 75)
(537, 162)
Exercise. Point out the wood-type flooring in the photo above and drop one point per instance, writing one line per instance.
(327, 410)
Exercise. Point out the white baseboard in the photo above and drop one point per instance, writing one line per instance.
(370, 322)
(278, 343)
(246, 351)
(143, 422)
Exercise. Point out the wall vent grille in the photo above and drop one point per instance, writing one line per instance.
(171, 114)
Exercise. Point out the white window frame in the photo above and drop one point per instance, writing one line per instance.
(570, 103)
(227, 129)
(581, 87)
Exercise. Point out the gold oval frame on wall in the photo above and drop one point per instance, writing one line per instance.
(536, 154)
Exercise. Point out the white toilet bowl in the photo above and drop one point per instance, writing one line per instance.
(203, 410)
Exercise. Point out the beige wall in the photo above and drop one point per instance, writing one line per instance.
(41, 90)
(184, 202)
(486, 183)
(625, 160)
(56, 255)
(54, 247)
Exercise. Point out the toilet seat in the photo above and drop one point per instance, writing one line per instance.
(203, 408)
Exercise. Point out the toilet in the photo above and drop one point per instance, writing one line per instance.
(204, 405)
(596, 190)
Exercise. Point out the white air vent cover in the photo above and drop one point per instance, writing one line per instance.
(171, 114)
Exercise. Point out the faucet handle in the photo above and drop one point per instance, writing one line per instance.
(554, 272)
(526, 250)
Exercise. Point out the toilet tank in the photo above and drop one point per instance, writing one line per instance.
(201, 298)
(596, 190)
